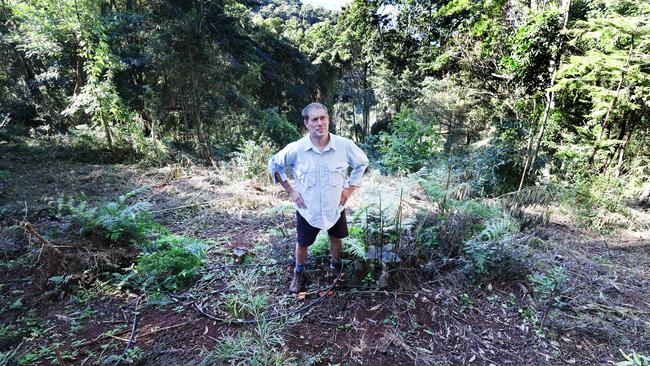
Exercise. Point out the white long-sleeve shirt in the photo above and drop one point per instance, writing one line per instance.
(321, 177)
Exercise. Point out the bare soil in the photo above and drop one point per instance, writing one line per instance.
(433, 318)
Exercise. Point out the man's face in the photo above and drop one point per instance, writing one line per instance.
(317, 123)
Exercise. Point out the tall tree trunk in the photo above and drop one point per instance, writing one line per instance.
(550, 100)
(529, 144)
(201, 141)
(365, 108)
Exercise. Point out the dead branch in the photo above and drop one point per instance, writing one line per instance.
(31, 233)
(134, 329)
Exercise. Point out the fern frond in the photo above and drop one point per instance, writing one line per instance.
(354, 247)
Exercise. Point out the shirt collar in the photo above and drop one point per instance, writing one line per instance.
(309, 145)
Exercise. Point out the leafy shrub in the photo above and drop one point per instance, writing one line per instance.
(117, 220)
(452, 233)
(353, 245)
(88, 144)
(173, 264)
(410, 144)
(150, 150)
(250, 160)
(479, 210)
(277, 128)
(166, 261)
(547, 285)
(528, 206)
(492, 253)
(597, 202)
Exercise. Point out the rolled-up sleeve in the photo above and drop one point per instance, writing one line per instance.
(358, 161)
(278, 162)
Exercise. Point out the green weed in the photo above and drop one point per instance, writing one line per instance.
(634, 359)
(369, 280)
(262, 343)
(492, 253)
(244, 301)
(172, 264)
(547, 287)
(250, 160)
(466, 302)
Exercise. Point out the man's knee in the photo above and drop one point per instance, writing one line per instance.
(334, 239)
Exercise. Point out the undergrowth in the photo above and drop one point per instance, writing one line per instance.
(482, 233)
(166, 261)
(600, 203)
(261, 343)
(353, 246)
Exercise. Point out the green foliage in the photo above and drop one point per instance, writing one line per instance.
(245, 301)
(167, 261)
(248, 348)
(534, 45)
(479, 210)
(599, 202)
(276, 128)
(496, 168)
(492, 252)
(260, 344)
(250, 161)
(353, 245)
(172, 263)
(547, 286)
(409, 146)
(633, 359)
(368, 280)
(528, 206)
(118, 220)
(321, 245)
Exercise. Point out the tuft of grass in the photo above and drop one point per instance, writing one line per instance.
(261, 344)
(633, 359)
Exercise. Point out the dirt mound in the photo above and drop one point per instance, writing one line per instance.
(79, 260)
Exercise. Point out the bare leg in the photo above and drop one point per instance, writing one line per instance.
(335, 248)
(301, 254)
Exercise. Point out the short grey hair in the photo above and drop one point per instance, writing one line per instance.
(310, 107)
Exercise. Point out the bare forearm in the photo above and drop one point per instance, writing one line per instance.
(345, 195)
(284, 183)
(293, 194)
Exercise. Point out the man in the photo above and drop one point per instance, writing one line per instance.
(319, 162)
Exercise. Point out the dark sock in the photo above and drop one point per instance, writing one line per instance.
(299, 268)
(335, 264)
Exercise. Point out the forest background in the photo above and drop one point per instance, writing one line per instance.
(481, 118)
(519, 91)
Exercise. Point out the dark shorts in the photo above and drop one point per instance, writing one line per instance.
(307, 233)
